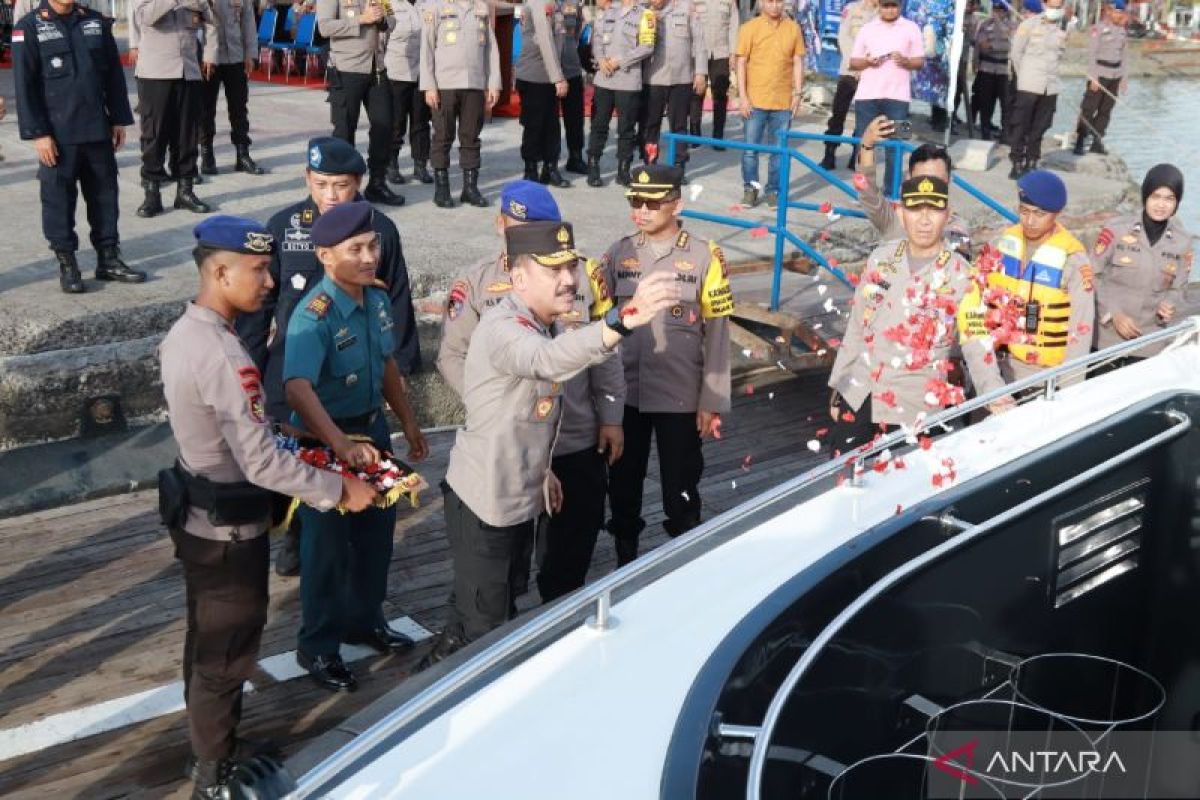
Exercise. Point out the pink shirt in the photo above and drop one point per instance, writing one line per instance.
(888, 81)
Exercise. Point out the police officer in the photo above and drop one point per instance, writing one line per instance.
(215, 499)
(677, 368)
(622, 39)
(499, 478)
(460, 75)
(540, 83)
(170, 95)
(237, 38)
(333, 177)
(993, 40)
(854, 16)
(1037, 48)
(1143, 265)
(71, 102)
(593, 401)
(357, 31)
(410, 114)
(719, 19)
(677, 71)
(1108, 70)
(912, 286)
(338, 370)
(571, 106)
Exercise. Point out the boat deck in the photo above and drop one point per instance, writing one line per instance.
(92, 616)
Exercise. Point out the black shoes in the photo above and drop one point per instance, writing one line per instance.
(210, 779)
(1098, 147)
(593, 172)
(421, 172)
(446, 645)
(330, 672)
(1080, 144)
(208, 160)
(152, 204)
(394, 175)
(110, 267)
(829, 162)
(1015, 173)
(378, 192)
(627, 549)
(69, 279)
(243, 750)
(470, 193)
(186, 199)
(576, 164)
(531, 171)
(245, 163)
(552, 177)
(441, 189)
(384, 640)
(623, 166)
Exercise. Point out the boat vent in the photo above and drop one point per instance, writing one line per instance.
(1094, 550)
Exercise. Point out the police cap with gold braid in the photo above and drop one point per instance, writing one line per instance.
(548, 243)
(924, 190)
(655, 181)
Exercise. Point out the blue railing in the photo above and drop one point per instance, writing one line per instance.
(893, 149)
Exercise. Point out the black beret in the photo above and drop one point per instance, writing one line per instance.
(332, 156)
(341, 222)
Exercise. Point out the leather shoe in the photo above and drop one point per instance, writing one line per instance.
(446, 645)
(330, 672)
(243, 750)
(383, 639)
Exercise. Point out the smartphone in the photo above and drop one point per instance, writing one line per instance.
(901, 129)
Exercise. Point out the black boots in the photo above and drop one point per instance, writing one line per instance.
(245, 163)
(394, 175)
(208, 161)
(110, 267)
(828, 161)
(69, 279)
(421, 172)
(593, 172)
(185, 198)
(1015, 173)
(531, 171)
(1098, 146)
(152, 204)
(623, 165)
(552, 177)
(576, 164)
(378, 192)
(470, 193)
(210, 779)
(1080, 143)
(1022, 168)
(441, 189)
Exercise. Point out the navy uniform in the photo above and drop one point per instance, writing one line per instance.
(342, 349)
(1108, 68)
(624, 34)
(237, 43)
(71, 87)
(676, 366)
(218, 523)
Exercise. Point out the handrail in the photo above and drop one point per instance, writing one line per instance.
(539, 629)
(758, 757)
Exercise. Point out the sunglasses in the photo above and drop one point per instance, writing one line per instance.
(652, 205)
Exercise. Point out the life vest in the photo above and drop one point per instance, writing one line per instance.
(1042, 278)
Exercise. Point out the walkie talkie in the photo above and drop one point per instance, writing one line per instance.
(1032, 312)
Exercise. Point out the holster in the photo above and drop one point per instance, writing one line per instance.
(172, 497)
(240, 503)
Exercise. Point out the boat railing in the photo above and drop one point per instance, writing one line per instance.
(597, 598)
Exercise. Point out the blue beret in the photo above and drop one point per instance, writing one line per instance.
(331, 156)
(1043, 189)
(1119, 5)
(341, 222)
(528, 201)
(235, 234)
(1033, 6)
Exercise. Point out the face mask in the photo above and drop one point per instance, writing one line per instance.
(1053, 14)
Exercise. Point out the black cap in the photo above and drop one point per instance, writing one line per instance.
(548, 243)
(926, 190)
(654, 181)
(332, 156)
(341, 222)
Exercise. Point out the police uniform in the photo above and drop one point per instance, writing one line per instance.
(625, 32)
(993, 40)
(537, 71)
(674, 367)
(341, 348)
(680, 54)
(358, 77)
(460, 60)
(719, 19)
(410, 114)
(883, 215)
(70, 86)
(854, 16)
(1108, 65)
(219, 523)
(170, 95)
(1037, 48)
(237, 41)
(571, 105)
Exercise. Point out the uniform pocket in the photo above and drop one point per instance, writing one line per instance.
(349, 356)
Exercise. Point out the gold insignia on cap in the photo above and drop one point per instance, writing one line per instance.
(925, 186)
(518, 210)
(563, 236)
(258, 242)
(643, 177)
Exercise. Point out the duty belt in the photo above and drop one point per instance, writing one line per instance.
(993, 59)
(1109, 64)
(233, 503)
(361, 422)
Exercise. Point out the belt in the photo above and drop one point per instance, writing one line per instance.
(993, 59)
(1109, 64)
(361, 421)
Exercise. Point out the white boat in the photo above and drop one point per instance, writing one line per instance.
(814, 632)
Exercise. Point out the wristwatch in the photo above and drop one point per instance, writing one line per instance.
(613, 320)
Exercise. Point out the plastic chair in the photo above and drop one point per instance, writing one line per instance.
(266, 36)
(306, 31)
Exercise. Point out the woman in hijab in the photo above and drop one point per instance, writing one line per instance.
(1142, 265)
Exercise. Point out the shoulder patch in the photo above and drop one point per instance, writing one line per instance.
(1103, 241)
(319, 305)
(457, 299)
(251, 380)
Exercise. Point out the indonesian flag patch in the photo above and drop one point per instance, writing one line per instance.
(18, 36)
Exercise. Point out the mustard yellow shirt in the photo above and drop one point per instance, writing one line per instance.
(769, 48)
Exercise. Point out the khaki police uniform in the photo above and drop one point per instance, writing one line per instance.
(237, 40)
(410, 114)
(215, 408)
(680, 54)
(1133, 277)
(537, 70)
(885, 216)
(625, 32)
(571, 106)
(993, 40)
(1036, 53)
(720, 20)
(854, 16)
(1108, 65)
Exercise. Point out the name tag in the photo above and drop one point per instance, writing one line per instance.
(345, 343)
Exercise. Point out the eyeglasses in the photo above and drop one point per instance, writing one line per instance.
(652, 205)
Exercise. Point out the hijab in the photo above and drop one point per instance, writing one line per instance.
(1160, 176)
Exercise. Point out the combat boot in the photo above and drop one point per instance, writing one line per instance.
(470, 193)
(575, 163)
(210, 779)
(394, 175)
(421, 172)
(379, 192)
(69, 279)
(1015, 172)
(593, 173)
(186, 199)
(245, 163)
(623, 171)
(208, 160)
(1030, 165)
(1080, 144)
(552, 177)
(1098, 147)
(531, 171)
(441, 189)
(111, 267)
(152, 204)
(828, 161)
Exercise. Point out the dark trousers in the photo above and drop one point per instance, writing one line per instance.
(846, 435)
(680, 464)
(170, 112)
(539, 121)
(237, 94)
(628, 107)
(1031, 118)
(461, 109)
(718, 81)
(91, 167)
(489, 563)
(226, 585)
(572, 116)
(568, 538)
(410, 115)
(1096, 109)
(348, 93)
(675, 100)
(988, 91)
(843, 96)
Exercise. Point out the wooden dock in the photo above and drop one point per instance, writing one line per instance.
(92, 614)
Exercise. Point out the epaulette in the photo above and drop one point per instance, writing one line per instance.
(319, 305)
(526, 322)
(682, 240)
